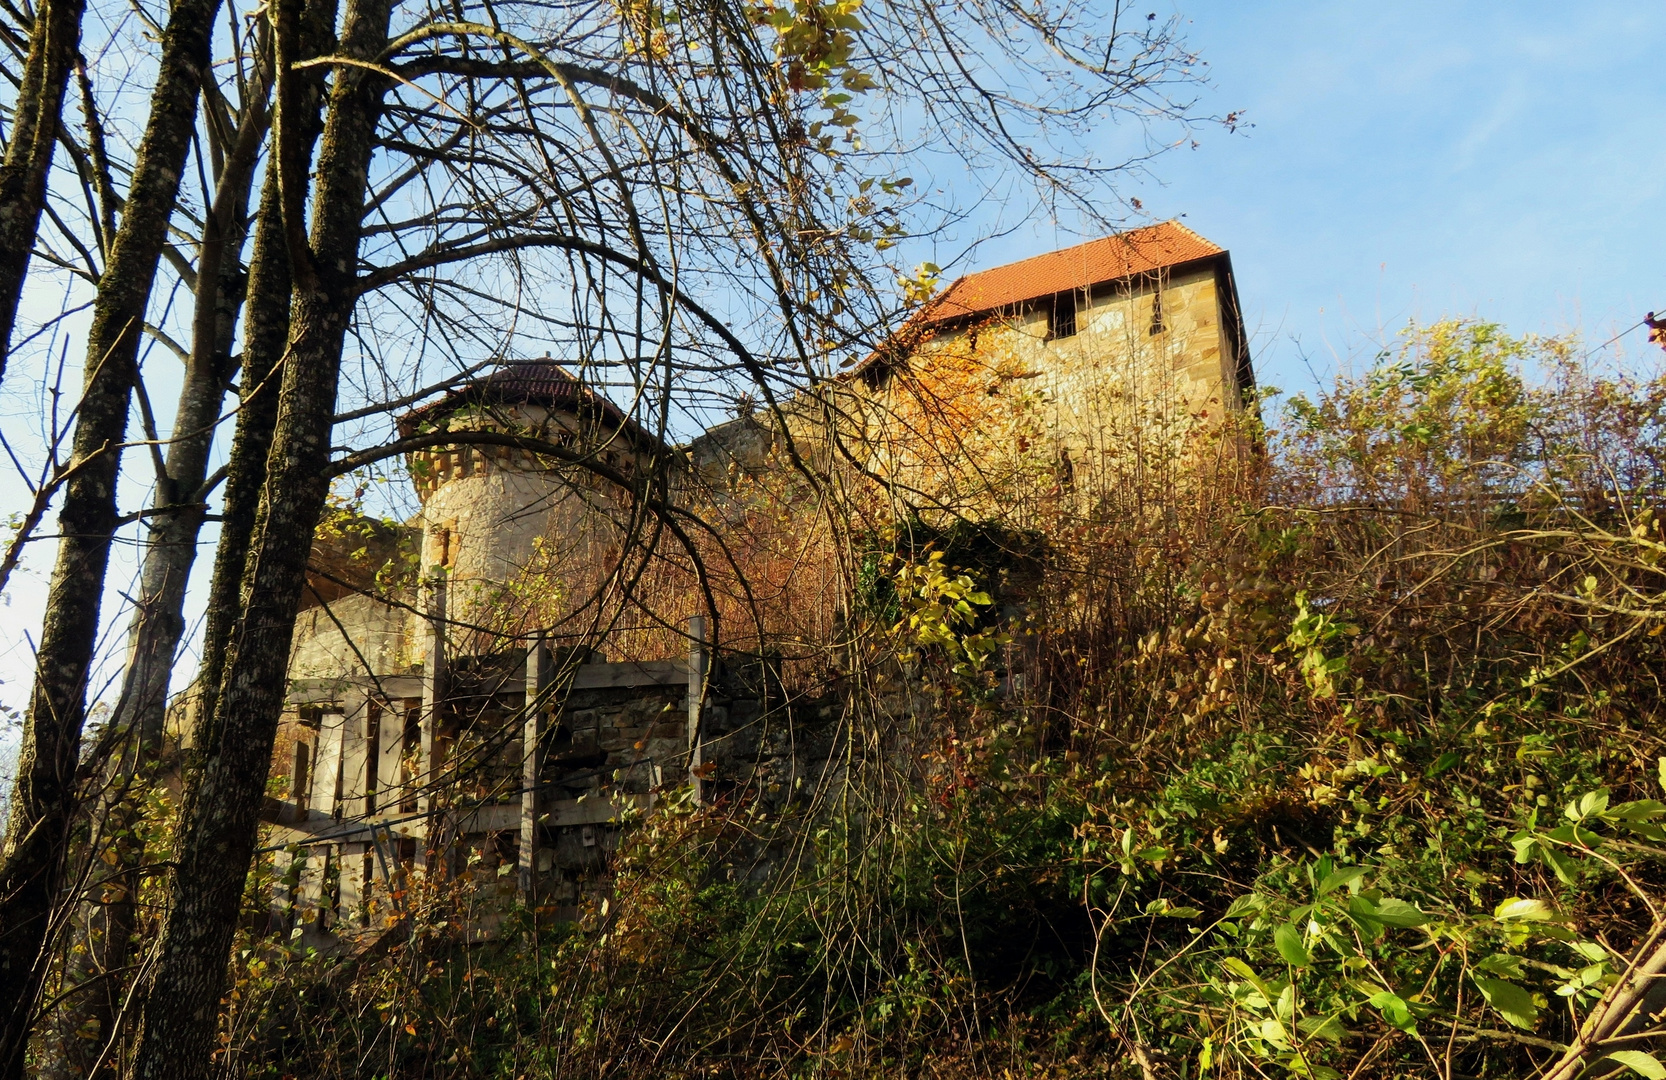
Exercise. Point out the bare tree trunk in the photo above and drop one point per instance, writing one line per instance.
(43, 800)
(265, 333)
(220, 815)
(159, 624)
(86, 1021)
(54, 43)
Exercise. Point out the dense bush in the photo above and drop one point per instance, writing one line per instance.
(1343, 758)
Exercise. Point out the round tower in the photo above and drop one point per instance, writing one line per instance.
(521, 537)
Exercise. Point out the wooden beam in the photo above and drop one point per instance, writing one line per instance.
(646, 673)
(498, 817)
(697, 663)
(357, 770)
(538, 673)
(310, 903)
(326, 771)
(353, 885)
(390, 749)
(284, 874)
(300, 775)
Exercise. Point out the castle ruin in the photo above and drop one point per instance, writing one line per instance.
(462, 698)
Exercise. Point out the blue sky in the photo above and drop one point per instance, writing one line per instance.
(1416, 160)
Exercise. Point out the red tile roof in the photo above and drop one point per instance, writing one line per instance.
(1128, 254)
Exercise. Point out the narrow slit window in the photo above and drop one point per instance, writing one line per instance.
(298, 777)
(1157, 324)
(1061, 320)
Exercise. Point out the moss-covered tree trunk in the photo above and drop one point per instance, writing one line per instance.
(44, 798)
(54, 43)
(220, 814)
(265, 334)
(102, 931)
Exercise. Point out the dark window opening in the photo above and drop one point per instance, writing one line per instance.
(1157, 326)
(410, 759)
(879, 372)
(1061, 318)
(298, 774)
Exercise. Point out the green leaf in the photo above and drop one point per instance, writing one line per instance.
(1323, 1027)
(1395, 1010)
(1289, 942)
(1592, 802)
(1444, 762)
(1638, 817)
(1364, 913)
(1640, 810)
(1590, 950)
(1238, 967)
(1563, 866)
(1392, 912)
(1274, 1032)
(1512, 1002)
(1644, 829)
(1521, 910)
(1244, 905)
(1345, 876)
(1640, 1063)
(1501, 964)
(1573, 834)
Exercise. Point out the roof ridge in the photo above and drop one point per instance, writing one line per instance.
(1122, 254)
(1125, 235)
(1187, 229)
(545, 361)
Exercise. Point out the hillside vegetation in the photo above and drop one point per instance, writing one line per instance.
(1343, 759)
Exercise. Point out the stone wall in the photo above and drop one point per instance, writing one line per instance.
(993, 417)
(522, 539)
(1005, 418)
(352, 636)
(612, 741)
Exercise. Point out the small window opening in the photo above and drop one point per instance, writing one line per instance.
(410, 758)
(1061, 319)
(298, 776)
(444, 544)
(1157, 326)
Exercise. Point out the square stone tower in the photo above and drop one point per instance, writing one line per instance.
(1058, 373)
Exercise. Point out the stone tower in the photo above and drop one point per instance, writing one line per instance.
(521, 536)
